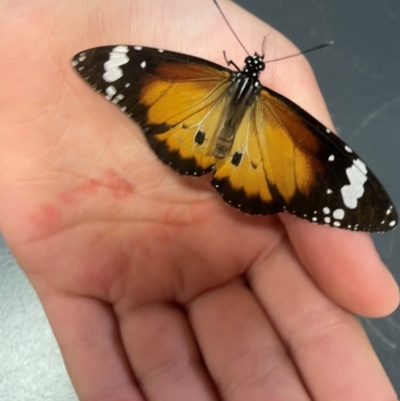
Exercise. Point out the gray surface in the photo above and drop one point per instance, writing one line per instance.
(359, 77)
(31, 367)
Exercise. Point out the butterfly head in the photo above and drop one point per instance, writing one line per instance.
(254, 65)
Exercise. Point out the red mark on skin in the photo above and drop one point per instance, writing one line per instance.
(119, 187)
(82, 191)
(47, 218)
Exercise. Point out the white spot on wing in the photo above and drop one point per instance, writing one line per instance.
(361, 166)
(348, 149)
(338, 214)
(143, 64)
(331, 158)
(327, 220)
(111, 91)
(328, 191)
(117, 57)
(120, 49)
(74, 63)
(326, 210)
(118, 98)
(137, 47)
(112, 75)
(112, 63)
(392, 223)
(355, 190)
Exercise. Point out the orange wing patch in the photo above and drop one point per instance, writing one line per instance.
(289, 146)
(248, 173)
(268, 165)
(187, 116)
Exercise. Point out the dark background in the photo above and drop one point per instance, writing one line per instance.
(359, 77)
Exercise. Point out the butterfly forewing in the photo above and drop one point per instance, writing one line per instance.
(281, 158)
(334, 186)
(178, 100)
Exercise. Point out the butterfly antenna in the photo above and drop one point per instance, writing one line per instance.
(263, 44)
(302, 52)
(230, 27)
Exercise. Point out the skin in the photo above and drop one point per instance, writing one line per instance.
(154, 288)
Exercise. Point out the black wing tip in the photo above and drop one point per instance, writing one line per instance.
(389, 221)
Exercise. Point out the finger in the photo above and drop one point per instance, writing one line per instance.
(88, 336)
(328, 344)
(164, 355)
(241, 349)
(346, 266)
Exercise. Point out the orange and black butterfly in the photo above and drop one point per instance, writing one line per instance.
(265, 154)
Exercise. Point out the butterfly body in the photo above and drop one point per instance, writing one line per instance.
(265, 153)
(245, 87)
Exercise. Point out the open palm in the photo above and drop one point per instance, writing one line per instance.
(155, 288)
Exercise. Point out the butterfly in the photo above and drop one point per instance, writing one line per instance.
(265, 153)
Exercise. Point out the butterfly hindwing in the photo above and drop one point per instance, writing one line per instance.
(240, 177)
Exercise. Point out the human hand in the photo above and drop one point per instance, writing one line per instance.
(155, 289)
